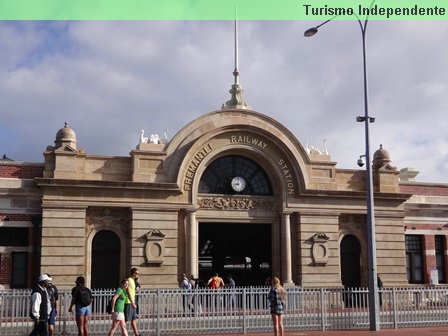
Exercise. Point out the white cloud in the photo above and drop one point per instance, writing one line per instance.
(111, 79)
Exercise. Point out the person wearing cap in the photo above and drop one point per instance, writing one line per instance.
(54, 296)
(40, 306)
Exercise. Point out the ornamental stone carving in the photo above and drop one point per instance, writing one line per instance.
(233, 203)
(353, 224)
(155, 248)
(107, 218)
(319, 250)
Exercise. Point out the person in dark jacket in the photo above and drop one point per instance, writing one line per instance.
(277, 299)
(40, 306)
(54, 297)
(380, 289)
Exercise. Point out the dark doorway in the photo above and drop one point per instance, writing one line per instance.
(106, 252)
(243, 250)
(351, 271)
(350, 261)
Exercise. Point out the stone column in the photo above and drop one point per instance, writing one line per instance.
(192, 252)
(286, 248)
(429, 256)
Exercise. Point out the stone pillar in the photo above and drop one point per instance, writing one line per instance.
(429, 257)
(276, 254)
(191, 244)
(286, 248)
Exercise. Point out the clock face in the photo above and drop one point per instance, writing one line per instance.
(238, 183)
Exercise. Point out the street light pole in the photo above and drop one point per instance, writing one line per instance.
(374, 317)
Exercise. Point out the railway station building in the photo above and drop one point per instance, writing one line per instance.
(234, 191)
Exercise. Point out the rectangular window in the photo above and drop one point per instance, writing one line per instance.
(19, 269)
(13, 236)
(440, 257)
(414, 258)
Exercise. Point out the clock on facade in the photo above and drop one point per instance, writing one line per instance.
(238, 183)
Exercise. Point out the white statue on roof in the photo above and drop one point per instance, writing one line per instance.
(143, 139)
(153, 138)
(315, 150)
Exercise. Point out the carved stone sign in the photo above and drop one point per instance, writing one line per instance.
(194, 164)
(319, 251)
(247, 139)
(155, 248)
(233, 203)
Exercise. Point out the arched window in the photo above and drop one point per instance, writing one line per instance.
(234, 174)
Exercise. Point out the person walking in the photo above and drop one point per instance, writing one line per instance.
(54, 297)
(118, 301)
(81, 299)
(277, 298)
(185, 285)
(380, 289)
(40, 306)
(130, 312)
(230, 281)
(215, 299)
(193, 282)
(138, 286)
(215, 282)
(197, 285)
(231, 296)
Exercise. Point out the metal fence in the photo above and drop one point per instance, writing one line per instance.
(240, 310)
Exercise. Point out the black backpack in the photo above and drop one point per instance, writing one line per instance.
(84, 297)
(201, 284)
(109, 306)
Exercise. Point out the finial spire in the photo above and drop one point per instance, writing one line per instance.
(236, 72)
(236, 91)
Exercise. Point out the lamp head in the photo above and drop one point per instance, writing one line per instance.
(310, 32)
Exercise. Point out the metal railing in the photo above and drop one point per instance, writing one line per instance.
(240, 310)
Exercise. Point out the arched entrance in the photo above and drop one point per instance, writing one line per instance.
(242, 245)
(350, 261)
(106, 252)
(243, 250)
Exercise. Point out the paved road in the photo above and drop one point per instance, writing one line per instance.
(433, 331)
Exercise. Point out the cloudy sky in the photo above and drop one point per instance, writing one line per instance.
(111, 79)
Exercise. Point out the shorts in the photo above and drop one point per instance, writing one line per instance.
(129, 313)
(83, 311)
(276, 312)
(52, 318)
(118, 316)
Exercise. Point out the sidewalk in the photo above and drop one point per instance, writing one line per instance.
(431, 331)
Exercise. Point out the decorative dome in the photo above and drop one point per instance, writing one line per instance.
(380, 158)
(65, 136)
